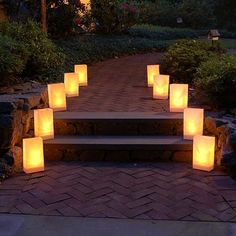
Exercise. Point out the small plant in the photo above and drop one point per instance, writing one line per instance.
(13, 58)
(184, 57)
(215, 81)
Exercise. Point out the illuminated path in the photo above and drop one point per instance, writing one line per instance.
(119, 85)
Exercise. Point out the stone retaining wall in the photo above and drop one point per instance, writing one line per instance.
(16, 119)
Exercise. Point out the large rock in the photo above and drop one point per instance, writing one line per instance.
(7, 107)
(14, 158)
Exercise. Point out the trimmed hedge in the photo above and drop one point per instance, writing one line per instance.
(161, 33)
(215, 81)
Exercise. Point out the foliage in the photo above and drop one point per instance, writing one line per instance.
(183, 58)
(158, 12)
(42, 53)
(161, 33)
(225, 11)
(197, 14)
(215, 80)
(65, 17)
(13, 57)
(113, 16)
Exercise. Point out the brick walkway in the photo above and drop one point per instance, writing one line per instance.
(119, 85)
(142, 191)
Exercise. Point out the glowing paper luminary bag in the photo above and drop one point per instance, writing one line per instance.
(43, 123)
(82, 71)
(71, 81)
(33, 157)
(193, 122)
(152, 70)
(57, 96)
(203, 152)
(161, 86)
(178, 97)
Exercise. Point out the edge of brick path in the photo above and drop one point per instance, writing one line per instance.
(24, 225)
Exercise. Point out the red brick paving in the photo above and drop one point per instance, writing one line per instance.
(119, 85)
(168, 191)
(171, 191)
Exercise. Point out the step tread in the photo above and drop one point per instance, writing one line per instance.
(136, 142)
(117, 116)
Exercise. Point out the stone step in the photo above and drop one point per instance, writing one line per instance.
(118, 123)
(118, 148)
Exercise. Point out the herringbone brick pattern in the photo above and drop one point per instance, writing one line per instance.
(142, 191)
(119, 85)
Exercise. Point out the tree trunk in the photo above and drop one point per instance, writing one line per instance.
(44, 15)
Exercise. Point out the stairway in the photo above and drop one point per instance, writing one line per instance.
(118, 136)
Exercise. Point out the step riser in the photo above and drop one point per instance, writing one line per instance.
(74, 154)
(111, 127)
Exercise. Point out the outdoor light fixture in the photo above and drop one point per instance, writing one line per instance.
(82, 71)
(193, 122)
(178, 97)
(152, 70)
(33, 158)
(71, 82)
(43, 123)
(203, 152)
(161, 86)
(57, 97)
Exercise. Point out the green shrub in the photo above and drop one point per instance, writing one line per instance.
(43, 54)
(161, 33)
(113, 16)
(183, 58)
(13, 57)
(215, 81)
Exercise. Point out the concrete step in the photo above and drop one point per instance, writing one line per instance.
(118, 148)
(118, 123)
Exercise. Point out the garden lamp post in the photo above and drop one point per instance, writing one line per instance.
(213, 35)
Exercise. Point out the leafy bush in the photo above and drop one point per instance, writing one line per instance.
(13, 57)
(183, 58)
(161, 33)
(215, 80)
(42, 52)
(113, 16)
(64, 17)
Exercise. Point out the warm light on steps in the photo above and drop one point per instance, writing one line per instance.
(203, 147)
